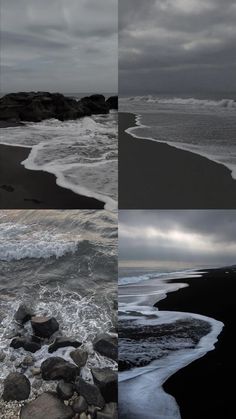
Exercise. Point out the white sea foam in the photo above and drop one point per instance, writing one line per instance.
(33, 244)
(82, 154)
(190, 101)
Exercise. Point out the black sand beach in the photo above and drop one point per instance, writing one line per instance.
(205, 388)
(21, 188)
(153, 175)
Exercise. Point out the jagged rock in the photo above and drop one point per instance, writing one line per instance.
(79, 357)
(25, 343)
(112, 102)
(65, 390)
(106, 346)
(23, 314)
(107, 381)
(44, 327)
(63, 342)
(90, 392)
(16, 387)
(80, 405)
(37, 106)
(56, 368)
(46, 406)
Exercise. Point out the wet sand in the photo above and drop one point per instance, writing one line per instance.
(153, 175)
(21, 188)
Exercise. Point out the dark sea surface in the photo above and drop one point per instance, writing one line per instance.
(64, 264)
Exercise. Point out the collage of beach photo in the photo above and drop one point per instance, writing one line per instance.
(117, 209)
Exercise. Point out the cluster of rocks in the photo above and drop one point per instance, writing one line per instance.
(37, 106)
(74, 397)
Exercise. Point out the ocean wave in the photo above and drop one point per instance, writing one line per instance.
(191, 101)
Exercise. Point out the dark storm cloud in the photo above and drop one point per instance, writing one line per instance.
(64, 45)
(177, 45)
(191, 237)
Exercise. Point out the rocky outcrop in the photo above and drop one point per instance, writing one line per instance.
(37, 106)
(56, 368)
(63, 342)
(44, 327)
(107, 346)
(47, 405)
(112, 102)
(16, 387)
(90, 392)
(107, 381)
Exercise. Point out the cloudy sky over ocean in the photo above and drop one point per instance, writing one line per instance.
(59, 45)
(177, 45)
(188, 238)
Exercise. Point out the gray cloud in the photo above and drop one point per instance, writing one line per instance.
(63, 45)
(177, 45)
(188, 237)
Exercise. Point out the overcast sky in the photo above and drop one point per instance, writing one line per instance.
(188, 238)
(59, 45)
(177, 46)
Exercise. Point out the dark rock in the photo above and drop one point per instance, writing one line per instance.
(107, 346)
(96, 103)
(16, 387)
(107, 381)
(10, 123)
(90, 392)
(56, 368)
(80, 405)
(112, 102)
(24, 313)
(110, 411)
(37, 106)
(44, 327)
(46, 406)
(25, 343)
(28, 361)
(7, 188)
(65, 390)
(79, 357)
(62, 343)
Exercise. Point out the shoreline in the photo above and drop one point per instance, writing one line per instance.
(22, 188)
(206, 379)
(188, 180)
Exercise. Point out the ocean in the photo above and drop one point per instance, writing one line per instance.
(205, 125)
(82, 153)
(154, 344)
(63, 264)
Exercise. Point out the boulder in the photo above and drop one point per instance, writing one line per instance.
(90, 392)
(43, 326)
(96, 104)
(79, 357)
(107, 381)
(65, 390)
(112, 102)
(46, 406)
(56, 368)
(23, 314)
(62, 342)
(80, 405)
(25, 343)
(106, 345)
(16, 387)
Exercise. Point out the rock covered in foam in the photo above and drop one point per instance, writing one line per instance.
(56, 368)
(46, 406)
(43, 326)
(63, 342)
(16, 387)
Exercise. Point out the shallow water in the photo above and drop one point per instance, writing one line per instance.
(206, 126)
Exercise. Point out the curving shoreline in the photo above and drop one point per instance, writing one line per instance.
(158, 175)
(22, 188)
